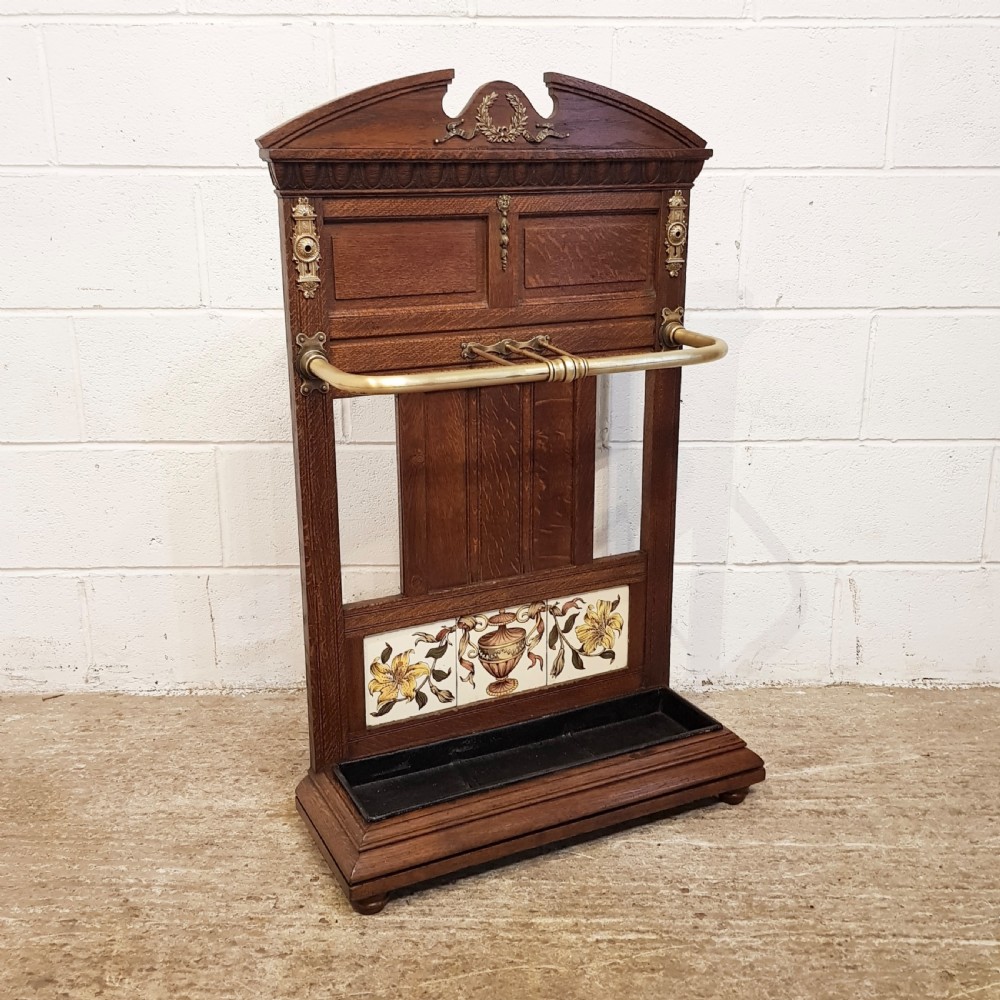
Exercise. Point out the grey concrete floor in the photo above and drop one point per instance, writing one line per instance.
(149, 848)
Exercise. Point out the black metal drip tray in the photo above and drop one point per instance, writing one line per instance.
(393, 783)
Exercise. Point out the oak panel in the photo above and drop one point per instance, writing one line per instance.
(443, 257)
(586, 252)
(433, 451)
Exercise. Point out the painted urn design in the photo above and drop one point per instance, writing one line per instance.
(500, 651)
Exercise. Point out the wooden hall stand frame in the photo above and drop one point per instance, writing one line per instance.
(483, 270)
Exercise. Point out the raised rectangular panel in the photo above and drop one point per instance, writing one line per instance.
(409, 672)
(439, 258)
(574, 254)
(587, 634)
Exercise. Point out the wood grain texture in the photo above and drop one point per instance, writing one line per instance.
(560, 491)
(444, 350)
(660, 438)
(365, 252)
(495, 483)
(406, 116)
(434, 453)
(599, 253)
(319, 530)
(657, 526)
(864, 867)
(364, 617)
(500, 491)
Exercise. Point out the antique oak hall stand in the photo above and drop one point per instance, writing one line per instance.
(485, 270)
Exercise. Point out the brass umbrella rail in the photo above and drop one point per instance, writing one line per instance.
(679, 347)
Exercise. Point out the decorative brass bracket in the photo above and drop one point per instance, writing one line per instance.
(305, 247)
(504, 348)
(564, 367)
(677, 232)
(310, 348)
(671, 320)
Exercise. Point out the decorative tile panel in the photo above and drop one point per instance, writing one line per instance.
(489, 655)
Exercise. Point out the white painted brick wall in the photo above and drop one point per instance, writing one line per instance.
(782, 97)
(878, 240)
(85, 239)
(178, 393)
(839, 494)
(201, 92)
(119, 506)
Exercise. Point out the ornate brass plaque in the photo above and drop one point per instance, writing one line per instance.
(305, 247)
(503, 203)
(677, 231)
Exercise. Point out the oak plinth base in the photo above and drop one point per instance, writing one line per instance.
(373, 859)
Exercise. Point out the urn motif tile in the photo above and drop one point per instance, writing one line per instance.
(410, 672)
(501, 653)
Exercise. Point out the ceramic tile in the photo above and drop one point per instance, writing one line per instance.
(410, 671)
(426, 668)
(503, 653)
(587, 634)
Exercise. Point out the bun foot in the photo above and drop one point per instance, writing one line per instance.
(373, 904)
(734, 798)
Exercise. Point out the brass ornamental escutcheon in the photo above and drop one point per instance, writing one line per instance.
(676, 241)
(305, 247)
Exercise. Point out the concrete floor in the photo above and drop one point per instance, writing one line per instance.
(149, 849)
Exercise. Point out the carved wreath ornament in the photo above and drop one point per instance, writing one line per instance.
(517, 128)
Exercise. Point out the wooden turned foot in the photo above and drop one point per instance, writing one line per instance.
(734, 798)
(373, 904)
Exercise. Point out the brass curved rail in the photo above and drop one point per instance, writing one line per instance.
(681, 347)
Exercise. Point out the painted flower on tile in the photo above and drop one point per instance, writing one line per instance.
(395, 679)
(596, 633)
(398, 681)
(601, 626)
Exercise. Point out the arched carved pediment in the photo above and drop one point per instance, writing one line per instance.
(404, 118)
